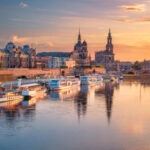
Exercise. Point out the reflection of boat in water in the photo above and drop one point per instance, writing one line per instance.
(33, 89)
(10, 97)
(91, 79)
(29, 102)
(63, 83)
(64, 94)
(111, 77)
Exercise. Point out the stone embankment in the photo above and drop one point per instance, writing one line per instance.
(32, 72)
(52, 72)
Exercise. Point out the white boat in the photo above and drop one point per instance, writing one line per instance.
(121, 77)
(33, 89)
(91, 79)
(63, 83)
(9, 96)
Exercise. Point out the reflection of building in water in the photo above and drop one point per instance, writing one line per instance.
(108, 91)
(145, 82)
(81, 101)
(66, 94)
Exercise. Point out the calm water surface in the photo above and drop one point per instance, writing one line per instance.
(110, 117)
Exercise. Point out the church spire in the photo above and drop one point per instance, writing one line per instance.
(109, 34)
(109, 46)
(79, 36)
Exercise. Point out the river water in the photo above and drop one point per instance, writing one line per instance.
(113, 116)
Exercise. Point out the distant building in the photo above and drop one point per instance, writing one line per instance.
(146, 66)
(18, 57)
(57, 62)
(54, 54)
(125, 67)
(106, 57)
(42, 62)
(80, 53)
(70, 63)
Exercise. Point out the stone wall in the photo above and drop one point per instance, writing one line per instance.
(81, 71)
(52, 72)
(32, 72)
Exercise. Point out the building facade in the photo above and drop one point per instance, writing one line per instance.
(145, 68)
(125, 66)
(106, 57)
(80, 53)
(42, 62)
(18, 57)
(70, 63)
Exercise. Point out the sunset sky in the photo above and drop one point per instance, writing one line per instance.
(52, 25)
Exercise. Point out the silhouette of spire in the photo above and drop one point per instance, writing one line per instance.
(79, 36)
(109, 34)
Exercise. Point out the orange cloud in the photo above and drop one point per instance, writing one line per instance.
(140, 20)
(134, 7)
(16, 39)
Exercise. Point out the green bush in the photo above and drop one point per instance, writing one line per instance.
(62, 67)
(1, 65)
(137, 65)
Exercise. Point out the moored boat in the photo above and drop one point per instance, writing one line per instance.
(91, 79)
(9, 96)
(30, 90)
(63, 83)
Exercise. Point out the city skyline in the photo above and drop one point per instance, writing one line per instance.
(53, 26)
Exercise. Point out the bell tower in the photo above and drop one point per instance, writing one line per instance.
(109, 45)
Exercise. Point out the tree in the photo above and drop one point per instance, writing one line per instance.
(137, 65)
(1, 65)
(63, 67)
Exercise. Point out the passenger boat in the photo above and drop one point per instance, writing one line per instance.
(91, 79)
(10, 95)
(63, 83)
(34, 89)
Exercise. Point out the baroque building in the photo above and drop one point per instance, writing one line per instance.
(18, 57)
(80, 53)
(106, 57)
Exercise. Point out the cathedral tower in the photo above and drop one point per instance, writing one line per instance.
(80, 53)
(109, 45)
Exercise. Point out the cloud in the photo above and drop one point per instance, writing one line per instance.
(16, 39)
(134, 7)
(41, 43)
(140, 20)
(50, 44)
(23, 5)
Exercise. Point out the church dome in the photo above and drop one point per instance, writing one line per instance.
(85, 43)
(10, 46)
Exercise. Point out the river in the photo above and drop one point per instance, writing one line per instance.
(113, 116)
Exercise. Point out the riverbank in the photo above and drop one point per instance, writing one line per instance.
(51, 72)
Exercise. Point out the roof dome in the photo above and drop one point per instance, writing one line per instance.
(84, 43)
(10, 46)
